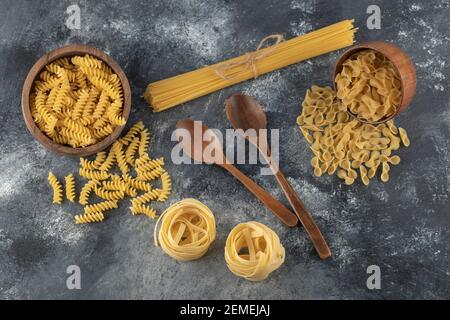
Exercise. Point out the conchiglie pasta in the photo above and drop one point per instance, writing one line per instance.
(344, 146)
(369, 86)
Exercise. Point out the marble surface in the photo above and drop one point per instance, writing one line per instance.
(402, 226)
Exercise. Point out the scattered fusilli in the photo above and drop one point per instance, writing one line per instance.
(127, 154)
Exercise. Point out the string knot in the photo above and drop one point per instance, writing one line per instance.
(249, 59)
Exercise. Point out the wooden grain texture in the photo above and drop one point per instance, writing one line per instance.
(68, 51)
(401, 61)
(201, 138)
(245, 113)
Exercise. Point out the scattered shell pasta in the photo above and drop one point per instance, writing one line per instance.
(344, 146)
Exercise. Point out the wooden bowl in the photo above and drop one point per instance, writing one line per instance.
(401, 61)
(73, 50)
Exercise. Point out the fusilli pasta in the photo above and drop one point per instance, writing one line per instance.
(57, 188)
(77, 101)
(70, 187)
(111, 187)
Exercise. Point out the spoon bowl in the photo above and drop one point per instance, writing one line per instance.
(199, 142)
(203, 146)
(245, 112)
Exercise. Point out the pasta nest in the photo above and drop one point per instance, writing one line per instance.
(253, 251)
(187, 229)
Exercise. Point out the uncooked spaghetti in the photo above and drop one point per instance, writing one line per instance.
(176, 90)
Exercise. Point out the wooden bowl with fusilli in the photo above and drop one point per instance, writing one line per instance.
(76, 100)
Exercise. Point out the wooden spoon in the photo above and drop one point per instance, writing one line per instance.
(245, 113)
(202, 145)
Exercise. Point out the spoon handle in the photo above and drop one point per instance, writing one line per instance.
(283, 213)
(304, 216)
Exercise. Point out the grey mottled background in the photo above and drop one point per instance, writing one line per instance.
(401, 226)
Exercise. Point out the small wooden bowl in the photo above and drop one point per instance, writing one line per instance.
(67, 51)
(401, 61)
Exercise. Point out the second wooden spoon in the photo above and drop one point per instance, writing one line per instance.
(202, 145)
(245, 113)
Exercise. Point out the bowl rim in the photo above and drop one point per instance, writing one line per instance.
(375, 46)
(39, 65)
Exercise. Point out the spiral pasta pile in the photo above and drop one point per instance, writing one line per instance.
(369, 86)
(253, 251)
(187, 230)
(78, 101)
(129, 152)
(343, 145)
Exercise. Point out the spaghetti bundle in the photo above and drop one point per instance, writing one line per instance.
(253, 251)
(173, 91)
(187, 230)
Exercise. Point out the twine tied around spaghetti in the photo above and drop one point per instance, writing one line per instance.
(250, 58)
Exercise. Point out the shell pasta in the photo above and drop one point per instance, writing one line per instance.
(344, 146)
(369, 86)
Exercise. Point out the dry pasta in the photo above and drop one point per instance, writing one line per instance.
(166, 187)
(86, 191)
(170, 92)
(344, 146)
(187, 230)
(101, 206)
(89, 217)
(253, 251)
(70, 187)
(57, 188)
(131, 150)
(111, 187)
(77, 101)
(114, 195)
(369, 86)
(142, 209)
